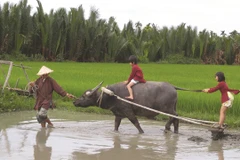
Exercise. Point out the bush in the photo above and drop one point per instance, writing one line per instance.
(14, 57)
(11, 101)
(180, 59)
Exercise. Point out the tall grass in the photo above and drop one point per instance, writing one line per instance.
(75, 78)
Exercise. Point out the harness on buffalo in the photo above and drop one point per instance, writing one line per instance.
(99, 101)
(190, 120)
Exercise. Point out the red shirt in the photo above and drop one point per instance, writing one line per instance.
(136, 74)
(222, 86)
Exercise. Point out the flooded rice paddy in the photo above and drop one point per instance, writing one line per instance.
(81, 136)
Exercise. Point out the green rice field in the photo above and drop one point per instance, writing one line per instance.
(75, 78)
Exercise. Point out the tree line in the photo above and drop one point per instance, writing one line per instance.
(68, 35)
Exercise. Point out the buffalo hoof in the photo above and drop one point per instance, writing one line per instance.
(176, 132)
(167, 131)
(116, 131)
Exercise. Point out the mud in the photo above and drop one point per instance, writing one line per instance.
(79, 136)
(197, 139)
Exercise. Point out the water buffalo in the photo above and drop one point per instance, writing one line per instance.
(160, 96)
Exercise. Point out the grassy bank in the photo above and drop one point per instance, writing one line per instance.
(78, 77)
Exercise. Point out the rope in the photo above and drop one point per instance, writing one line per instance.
(156, 111)
(203, 121)
(99, 101)
(34, 89)
(190, 90)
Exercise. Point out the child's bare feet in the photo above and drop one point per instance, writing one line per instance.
(129, 98)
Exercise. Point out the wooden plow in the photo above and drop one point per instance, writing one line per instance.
(7, 75)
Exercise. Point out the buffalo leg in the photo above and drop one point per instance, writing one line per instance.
(168, 124)
(136, 124)
(176, 121)
(176, 125)
(117, 123)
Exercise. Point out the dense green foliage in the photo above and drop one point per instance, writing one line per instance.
(68, 35)
(78, 77)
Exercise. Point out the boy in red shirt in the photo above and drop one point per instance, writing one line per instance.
(135, 77)
(226, 97)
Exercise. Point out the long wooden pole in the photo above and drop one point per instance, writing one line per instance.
(166, 114)
(4, 75)
(8, 62)
(8, 75)
(203, 121)
(25, 73)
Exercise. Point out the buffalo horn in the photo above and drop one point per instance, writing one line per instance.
(97, 87)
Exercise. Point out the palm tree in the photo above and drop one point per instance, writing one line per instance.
(43, 27)
(75, 37)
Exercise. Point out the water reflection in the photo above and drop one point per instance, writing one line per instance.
(120, 150)
(171, 141)
(217, 146)
(4, 141)
(41, 150)
(136, 147)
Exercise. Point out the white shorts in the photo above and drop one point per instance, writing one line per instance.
(134, 81)
(41, 115)
(43, 112)
(229, 103)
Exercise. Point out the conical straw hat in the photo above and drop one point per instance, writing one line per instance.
(44, 70)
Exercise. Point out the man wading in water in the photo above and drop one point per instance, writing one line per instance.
(43, 87)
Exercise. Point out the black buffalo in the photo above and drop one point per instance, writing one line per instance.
(160, 96)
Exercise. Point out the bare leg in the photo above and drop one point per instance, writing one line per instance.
(222, 117)
(43, 124)
(129, 87)
(50, 125)
(48, 121)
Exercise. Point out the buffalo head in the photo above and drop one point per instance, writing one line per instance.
(89, 97)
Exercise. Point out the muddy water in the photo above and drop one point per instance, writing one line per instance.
(81, 136)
